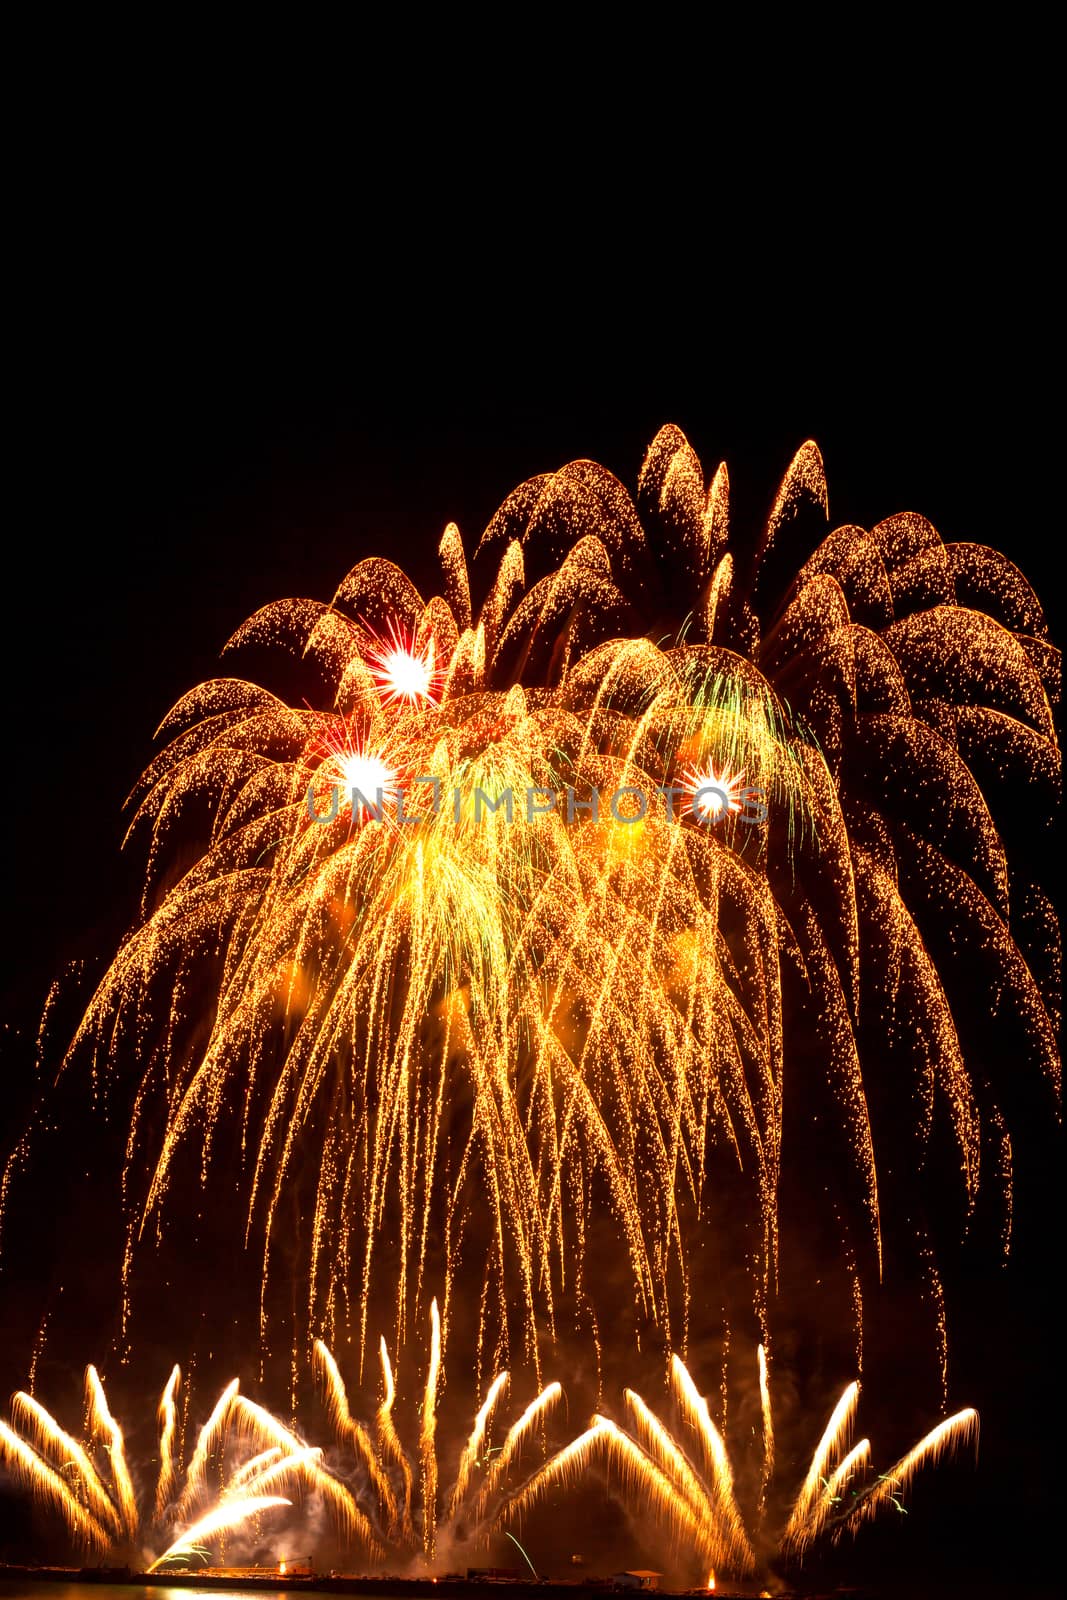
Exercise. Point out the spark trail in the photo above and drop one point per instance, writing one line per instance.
(96, 1500)
(683, 1478)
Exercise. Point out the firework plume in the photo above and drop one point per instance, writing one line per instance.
(89, 1486)
(683, 1477)
(495, 934)
(484, 1476)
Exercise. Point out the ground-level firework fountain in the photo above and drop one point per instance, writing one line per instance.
(89, 1486)
(390, 1505)
(412, 1507)
(384, 1502)
(684, 1478)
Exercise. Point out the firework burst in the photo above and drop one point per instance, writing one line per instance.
(548, 1037)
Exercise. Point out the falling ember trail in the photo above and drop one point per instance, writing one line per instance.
(522, 1552)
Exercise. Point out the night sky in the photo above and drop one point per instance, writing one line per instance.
(210, 418)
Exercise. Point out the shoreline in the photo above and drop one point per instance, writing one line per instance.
(447, 1588)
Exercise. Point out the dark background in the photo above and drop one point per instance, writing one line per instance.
(230, 383)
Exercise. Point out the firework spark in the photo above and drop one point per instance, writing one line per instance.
(102, 1422)
(482, 1483)
(402, 669)
(98, 1505)
(223, 1518)
(684, 1478)
(168, 1420)
(713, 794)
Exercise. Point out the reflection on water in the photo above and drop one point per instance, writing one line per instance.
(18, 1589)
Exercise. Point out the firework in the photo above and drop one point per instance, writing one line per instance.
(50, 1488)
(207, 1440)
(512, 1036)
(684, 1478)
(482, 1483)
(427, 1448)
(473, 1448)
(830, 1446)
(42, 1433)
(768, 1423)
(419, 962)
(348, 1428)
(256, 1427)
(947, 1437)
(168, 1420)
(517, 1435)
(102, 1422)
(223, 1518)
(98, 1504)
(391, 1446)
